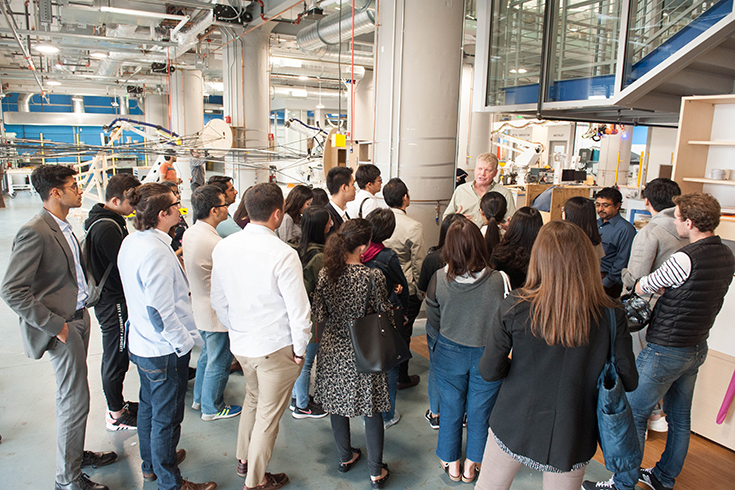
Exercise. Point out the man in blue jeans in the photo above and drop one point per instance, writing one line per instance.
(693, 283)
(161, 332)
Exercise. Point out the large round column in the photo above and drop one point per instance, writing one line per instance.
(418, 66)
(187, 116)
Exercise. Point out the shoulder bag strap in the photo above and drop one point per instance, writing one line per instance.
(506, 283)
(613, 333)
(359, 212)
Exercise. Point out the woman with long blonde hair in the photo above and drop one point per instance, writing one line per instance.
(558, 328)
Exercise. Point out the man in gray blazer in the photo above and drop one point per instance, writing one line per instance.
(46, 286)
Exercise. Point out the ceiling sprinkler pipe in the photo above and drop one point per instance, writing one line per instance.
(24, 102)
(327, 30)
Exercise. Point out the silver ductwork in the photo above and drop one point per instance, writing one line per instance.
(327, 30)
(312, 69)
(188, 39)
(124, 106)
(303, 93)
(77, 104)
(109, 67)
(24, 102)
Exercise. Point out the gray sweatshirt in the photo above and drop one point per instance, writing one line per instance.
(464, 311)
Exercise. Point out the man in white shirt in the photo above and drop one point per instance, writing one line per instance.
(213, 366)
(341, 187)
(466, 197)
(407, 242)
(369, 182)
(224, 182)
(161, 332)
(258, 293)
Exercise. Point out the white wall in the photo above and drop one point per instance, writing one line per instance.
(661, 151)
(722, 157)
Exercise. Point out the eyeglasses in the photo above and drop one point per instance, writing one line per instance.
(220, 206)
(603, 205)
(177, 203)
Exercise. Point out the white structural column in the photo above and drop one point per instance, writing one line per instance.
(364, 103)
(245, 70)
(418, 66)
(187, 116)
(156, 110)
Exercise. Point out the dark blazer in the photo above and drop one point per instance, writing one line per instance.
(546, 407)
(40, 284)
(336, 218)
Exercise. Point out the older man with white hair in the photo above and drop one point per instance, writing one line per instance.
(466, 197)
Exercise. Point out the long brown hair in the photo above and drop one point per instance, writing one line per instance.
(351, 234)
(564, 285)
(464, 249)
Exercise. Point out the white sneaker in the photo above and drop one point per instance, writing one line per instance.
(658, 425)
(393, 421)
(196, 406)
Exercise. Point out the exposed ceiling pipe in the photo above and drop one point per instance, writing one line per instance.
(327, 30)
(124, 106)
(77, 104)
(312, 69)
(189, 38)
(24, 102)
(26, 54)
(302, 93)
(327, 54)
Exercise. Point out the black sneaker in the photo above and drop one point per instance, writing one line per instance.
(131, 407)
(95, 460)
(292, 405)
(81, 483)
(433, 419)
(647, 477)
(126, 421)
(312, 411)
(595, 485)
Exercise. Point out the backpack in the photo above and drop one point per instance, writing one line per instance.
(94, 289)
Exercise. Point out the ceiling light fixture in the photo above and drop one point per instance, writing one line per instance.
(53, 83)
(303, 77)
(46, 48)
(98, 55)
(142, 13)
(522, 70)
(320, 106)
(300, 93)
(78, 98)
(208, 111)
(514, 70)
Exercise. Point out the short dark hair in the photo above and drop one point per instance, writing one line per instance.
(47, 177)
(262, 200)
(383, 222)
(581, 211)
(169, 154)
(172, 185)
(118, 184)
(337, 177)
(220, 181)
(149, 200)
(702, 209)
(366, 174)
(204, 198)
(660, 193)
(320, 197)
(610, 193)
(394, 191)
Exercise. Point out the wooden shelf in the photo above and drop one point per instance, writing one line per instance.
(713, 143)
(708, 181)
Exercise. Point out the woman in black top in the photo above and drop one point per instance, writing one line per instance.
(513, 252)
(581, 211)
(545, 415)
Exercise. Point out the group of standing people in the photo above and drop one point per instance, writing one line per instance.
(278, 296)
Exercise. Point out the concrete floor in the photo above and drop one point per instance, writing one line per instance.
(304, 449)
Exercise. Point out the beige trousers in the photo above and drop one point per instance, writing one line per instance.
(499, 470)
(269, 382)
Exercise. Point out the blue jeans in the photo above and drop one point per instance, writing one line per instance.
(669, 373)
(300, 389)
(162, 390)
(462, 390)
(213, 371)
(392, 391)
(431, 336)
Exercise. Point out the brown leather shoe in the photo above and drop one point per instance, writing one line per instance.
(272, 482)
(180, 457)
(187, 485)
(242, 469)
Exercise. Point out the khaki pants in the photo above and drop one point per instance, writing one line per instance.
(269, 382)
(499, 470)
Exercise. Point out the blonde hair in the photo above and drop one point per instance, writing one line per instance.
(488, 158)
(564, 285)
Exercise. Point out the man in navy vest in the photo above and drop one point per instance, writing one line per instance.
(692, 283)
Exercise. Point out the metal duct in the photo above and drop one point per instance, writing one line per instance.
(303, 93)
(24, 102)
(124, 106)
(189, 38)
(77, 104)
(109, 67)
(327, 30)
(313, 69)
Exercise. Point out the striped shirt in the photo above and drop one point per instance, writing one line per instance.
(672, 274)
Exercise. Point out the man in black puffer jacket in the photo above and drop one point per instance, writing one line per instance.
(106, 228)
(693, 283)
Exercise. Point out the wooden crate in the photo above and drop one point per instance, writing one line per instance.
(559, 196)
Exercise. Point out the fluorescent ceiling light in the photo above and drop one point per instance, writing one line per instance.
(290, 62)
(142, 13)
(320, 106)
(522, 70)
(53, 83)
(596, 97)
(78, 98)
(46, 48)
(217, 86)
(209, 111)
(302, 77)
(514, 70)
(299, 93)
(98, 55)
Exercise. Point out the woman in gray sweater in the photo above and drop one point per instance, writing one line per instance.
(462, 299)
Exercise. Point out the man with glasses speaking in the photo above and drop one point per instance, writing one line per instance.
(617, 237)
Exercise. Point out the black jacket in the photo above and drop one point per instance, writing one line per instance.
(387, 262)
(336, 218)
(546, 407)
(684, 316)
(103, 245)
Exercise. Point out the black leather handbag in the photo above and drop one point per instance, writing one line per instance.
(378, 345)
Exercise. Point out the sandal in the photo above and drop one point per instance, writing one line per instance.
(473, 477)
(345, 467)
(377, 484)
(451, 476)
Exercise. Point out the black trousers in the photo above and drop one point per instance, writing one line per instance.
(414, 306)
(374, 433)
(115, 360)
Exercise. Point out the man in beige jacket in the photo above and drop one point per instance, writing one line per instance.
(407, 242)
(213, 367)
